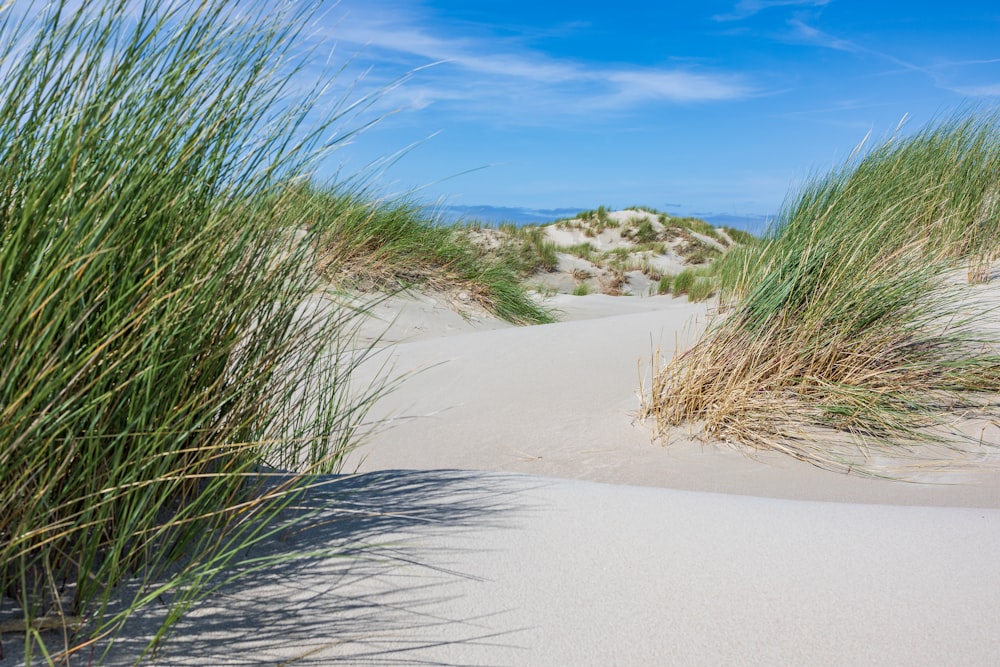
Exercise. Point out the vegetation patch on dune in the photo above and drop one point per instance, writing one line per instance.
(636, 251)
(368, 244)
(155, 285)
(848, 333)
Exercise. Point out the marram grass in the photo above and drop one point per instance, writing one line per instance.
(152, 284)
(848, 334)
(392, 245)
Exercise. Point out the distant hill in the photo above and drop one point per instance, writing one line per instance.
(755, 224)
(497, 214)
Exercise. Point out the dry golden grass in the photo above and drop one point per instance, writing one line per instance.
(849, 338)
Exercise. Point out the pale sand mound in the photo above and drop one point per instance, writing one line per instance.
(788, 565)
(495, 569)
(560, 400)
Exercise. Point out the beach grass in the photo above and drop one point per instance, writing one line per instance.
(664, 284)
(849, 332)
(683, 281)
(155, 277)
(369, 243)
(529, 249)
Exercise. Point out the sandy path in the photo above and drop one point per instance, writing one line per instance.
(560, 400)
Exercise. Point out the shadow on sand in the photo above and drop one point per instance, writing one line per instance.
(371, 582)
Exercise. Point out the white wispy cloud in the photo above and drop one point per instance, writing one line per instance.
(485, 72)
(943, 74)
(642, 85)
(981, 90)
(747, 8)
(803, 32)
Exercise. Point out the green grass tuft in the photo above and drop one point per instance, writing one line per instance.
(683, 281)
(848, 331)
(381, 245)
(154, 272)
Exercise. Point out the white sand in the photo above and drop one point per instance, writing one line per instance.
(516, 515)
(560, 400)
(493, 569)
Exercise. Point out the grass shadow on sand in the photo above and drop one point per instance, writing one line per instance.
(361, 589)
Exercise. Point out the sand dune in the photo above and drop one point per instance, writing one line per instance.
(499, 569)
(561, 400)
(513, 512)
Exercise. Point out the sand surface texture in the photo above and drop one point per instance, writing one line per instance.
(513, 512)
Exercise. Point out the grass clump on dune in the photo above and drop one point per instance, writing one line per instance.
(848, 332)
(696, 225)
(374, 244)
(152, 283)
(529, 249)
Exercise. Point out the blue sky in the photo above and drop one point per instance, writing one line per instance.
(690, 107)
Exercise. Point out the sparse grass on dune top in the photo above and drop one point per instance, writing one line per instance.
(371, 244)
(637, 240)
(847, 320)
(151, 292)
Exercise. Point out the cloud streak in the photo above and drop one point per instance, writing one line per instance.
(480, 73)
(747, 8)
(942, 74)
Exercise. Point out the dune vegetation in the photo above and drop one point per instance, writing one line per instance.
(164, 249)
(161, 253)
(373, 245)
(636, 251)
(853, 327)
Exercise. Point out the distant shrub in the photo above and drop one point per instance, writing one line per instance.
(697, 251)
(613, 283)
(641, 231)
(657, 248)
(647, 268)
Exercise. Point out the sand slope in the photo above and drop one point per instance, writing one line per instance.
(499, 569)
(561, 400)
(513, 513)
